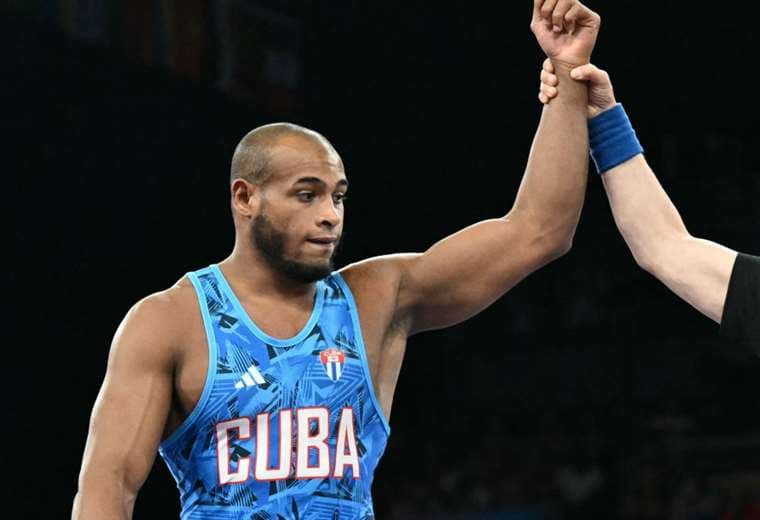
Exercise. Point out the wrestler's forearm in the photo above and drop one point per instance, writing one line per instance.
(552, 190)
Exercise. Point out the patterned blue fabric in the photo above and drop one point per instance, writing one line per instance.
(322, 370)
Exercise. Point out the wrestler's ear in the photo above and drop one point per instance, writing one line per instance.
(245, 197)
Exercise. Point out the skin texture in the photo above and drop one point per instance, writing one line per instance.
(159, 357)
(697, 270)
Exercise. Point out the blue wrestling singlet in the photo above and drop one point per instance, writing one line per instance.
(284, 429)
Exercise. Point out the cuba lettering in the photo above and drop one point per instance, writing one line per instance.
(312, 431)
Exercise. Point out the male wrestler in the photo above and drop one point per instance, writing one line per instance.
(273, 400)
(717, 281)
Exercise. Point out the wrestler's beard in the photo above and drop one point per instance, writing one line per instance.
(271, 242)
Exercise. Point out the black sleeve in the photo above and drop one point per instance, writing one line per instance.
(741, 315)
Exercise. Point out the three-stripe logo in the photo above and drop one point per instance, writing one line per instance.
(251, 377)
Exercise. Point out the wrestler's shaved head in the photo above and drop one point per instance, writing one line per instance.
(287, 186)
(252, 158)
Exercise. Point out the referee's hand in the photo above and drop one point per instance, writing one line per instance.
(601, 95)
(566, 30)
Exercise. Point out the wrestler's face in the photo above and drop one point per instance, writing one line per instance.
(299, 217)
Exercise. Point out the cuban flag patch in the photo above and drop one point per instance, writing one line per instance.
(332, 359)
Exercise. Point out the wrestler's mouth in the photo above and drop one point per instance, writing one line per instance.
(323, 240)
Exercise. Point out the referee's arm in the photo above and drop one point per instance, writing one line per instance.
(717, 281)
(720, 283)
(741, 313)
(695, 269)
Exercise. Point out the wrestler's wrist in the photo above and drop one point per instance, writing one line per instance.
(565, 65)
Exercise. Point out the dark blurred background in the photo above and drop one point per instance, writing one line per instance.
(589, 391)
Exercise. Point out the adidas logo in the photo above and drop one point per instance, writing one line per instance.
(251, 377)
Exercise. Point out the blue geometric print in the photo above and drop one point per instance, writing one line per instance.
(213, 454)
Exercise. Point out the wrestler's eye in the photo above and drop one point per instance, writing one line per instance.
(340, 198)
(305, 196)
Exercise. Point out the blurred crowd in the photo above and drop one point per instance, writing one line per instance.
(576, 465)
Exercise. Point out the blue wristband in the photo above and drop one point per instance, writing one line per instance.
(612, 139)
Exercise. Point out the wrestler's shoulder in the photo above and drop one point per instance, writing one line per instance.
(170, 309)
(376, 282)
(377, 273)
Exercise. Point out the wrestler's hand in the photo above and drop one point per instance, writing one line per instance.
(566, 30)
(601, 95)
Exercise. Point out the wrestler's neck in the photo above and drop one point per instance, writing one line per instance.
(249, 270)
